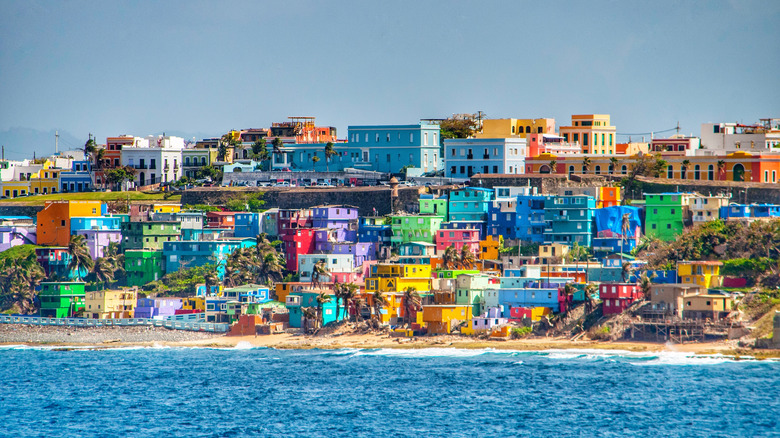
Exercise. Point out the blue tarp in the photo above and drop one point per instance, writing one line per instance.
(611, 219)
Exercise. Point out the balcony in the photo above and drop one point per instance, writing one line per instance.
(486, 157)
(469, 157)
(140, 166)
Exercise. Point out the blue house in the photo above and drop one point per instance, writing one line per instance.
(530, 223)
(194, 253)
(296, 301)
(247, 225)
(609, 230)
(764, 210)
(78, 179)
(95, 223)
(735, 211)
(374, 229)
(517, 297)
(469, 204)
(570, 219)
(465, 157)
(388, 148)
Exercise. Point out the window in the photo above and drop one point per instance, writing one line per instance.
(425, 139)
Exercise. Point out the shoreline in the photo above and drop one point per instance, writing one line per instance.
(116, 338)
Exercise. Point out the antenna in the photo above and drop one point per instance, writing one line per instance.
(678, 127)
(56, 142)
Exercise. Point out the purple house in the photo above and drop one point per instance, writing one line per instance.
(97, 240)
(334, 235)
(13, 235)
(151, 307)
(362, 252)
(335, 216)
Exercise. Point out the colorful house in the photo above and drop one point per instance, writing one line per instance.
(340, 267)
(435, 205)
(393, 278)
(297, 242)
(297, 301)
(414, 228)
(54, 220)
(610, 236)
(442, 319)
(143, 266)
(54, 261)
(664, 215)
(617, 297)
(592, 131)
(334, 216)
(530, 223)
(149, 234)
(707, 306)
(704, 274)
(162, 307)
(458, 239)
(248, 224)
(469, 204)
(61, 299)
(78, 179)
(292, 220)
(374, 229)
(491, 320)
(201, 252)
(15, 234)
(110, 304)
(570, 219)
(166, 208)
(470, 289)
(551, 298)
(466, 157)
(220, 219)
(490, 248)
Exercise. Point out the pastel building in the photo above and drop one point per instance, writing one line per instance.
(374, 229)
(570, 219)
(247, 224)
(340, 267)
(297, 301)
(435, 205)
(334, 216)
(617, 297)
(54, 220)
(194, 253)
(550, 144)
(593, 132)
(361, 252)
(143, 266)
(706, 208)
(149, 234)
(157, 160)
(664, 215)
(17, 232)
(189, 220)
(470, 204)
(395, 278)
(531, 223)
(465, 157)
(414, 228)
(388, 148)
(551, 298)
(154, 307)
(458, 239)
(726, 138)
(110, 304)
(705, 274)
(220, 219)
(515, 128)
(78, 179)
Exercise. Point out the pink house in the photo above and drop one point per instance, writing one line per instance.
(458, 238)
(617, 297)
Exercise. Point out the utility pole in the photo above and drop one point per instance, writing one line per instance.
(56, 142)
(678, 127)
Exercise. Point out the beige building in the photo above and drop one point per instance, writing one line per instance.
(706, 208)
(520, 128)
(593, 132)
(110, 304)
(667, 299)
(707, 306)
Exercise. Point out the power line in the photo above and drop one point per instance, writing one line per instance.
(649, 133)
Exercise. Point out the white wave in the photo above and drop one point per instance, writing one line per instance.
(425, 352)
(243, 345)
(683, 359)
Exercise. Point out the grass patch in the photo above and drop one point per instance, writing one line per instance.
(91, 196)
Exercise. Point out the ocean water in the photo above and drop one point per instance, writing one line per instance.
(188, 392)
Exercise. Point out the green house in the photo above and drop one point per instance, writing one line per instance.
(414, 228)
(143, 266)
(61, 299)
(470, 289)
(433, 205)
(664, 215)
(149, 234)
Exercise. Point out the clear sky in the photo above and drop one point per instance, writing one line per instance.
(200, 68)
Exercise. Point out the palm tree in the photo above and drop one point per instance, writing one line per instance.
(450, 257)
(329, 152)
(625, 226)
(260, 151)
(322, 299)
(270, 269)
(103, 270)
(590, 289)
(646, 284)
(348, 295)
(613, 166)
(412, 302)
(466, 257)
(586, 164)
(721, 167)
(308, 314)
(81, 262)
(319, 270)
(276, 146)
(684, 168)
(314, 161)
(379, 302)
(358, 302)
(212, 279)
(626, 271)
(569, 290)
(553, 165)
(18, 279)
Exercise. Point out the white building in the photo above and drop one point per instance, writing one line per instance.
(157, 160)
(726, 138)
(337, 263)
(464, 157)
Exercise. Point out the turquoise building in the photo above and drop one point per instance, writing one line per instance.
(296, 301)
(189, 254)
(388, 148)
(569, 219)
(470, 204)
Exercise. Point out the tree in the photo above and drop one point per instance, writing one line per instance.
(319, 270)
(467, 258)
(103, 270)
(308, 314)
(586, 164)
(460, 127)
(81, 262)
(613, 165)
(314, 161)
(211, 279)
(277, 145)
(412, 302)
(590, 289)
(721, 167)
(349, 295)
(329, 152)
(553, 166)
(18, 279)
(450, 257)
(322, 299)
(379, 302)
(625, 226)
(227, 142)
(645, 165)
(646, 285)
(626, 271)
(260, 151)
(684, 168)
(569, 290)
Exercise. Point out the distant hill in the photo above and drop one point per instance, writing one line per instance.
(20, 143)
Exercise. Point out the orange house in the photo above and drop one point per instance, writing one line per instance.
(54, 220)
(221, 219)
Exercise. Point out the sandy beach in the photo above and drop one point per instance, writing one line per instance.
(146, 336)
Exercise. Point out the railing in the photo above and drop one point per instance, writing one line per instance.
(126, 322)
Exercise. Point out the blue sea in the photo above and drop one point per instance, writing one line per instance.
(194, 392)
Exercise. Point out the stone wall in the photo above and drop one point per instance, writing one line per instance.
(20, 210)
(544, 183)
(365, 198)
(741, 192)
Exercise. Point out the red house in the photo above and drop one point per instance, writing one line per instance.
(221, 219)
(297, 242)
(290, 220)
(617, 297)
(458, 238)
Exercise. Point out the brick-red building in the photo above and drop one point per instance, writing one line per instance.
(617, 297)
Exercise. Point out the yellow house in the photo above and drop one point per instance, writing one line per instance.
(608, 197)
(593, 132)
(166, 208)
(489, 248)
(707, 306)
(702, 274)
(194, 303)
(442, 318)
(44, 181)
(552, 250)
(508, 128)
(390, 278)
(110, 304)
